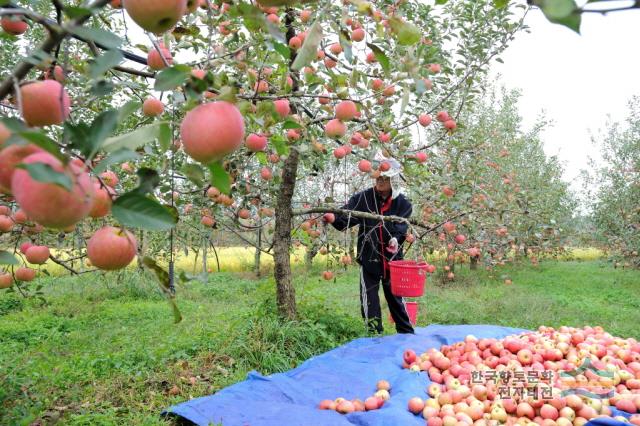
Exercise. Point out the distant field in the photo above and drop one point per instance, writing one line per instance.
(240, 259)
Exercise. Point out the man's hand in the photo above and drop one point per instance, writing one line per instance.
(328, 218)
(392, 247)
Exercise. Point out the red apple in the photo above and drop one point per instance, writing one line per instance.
(111, 248)
(212, 131)
(47, 203)
(416, 405)
(44, 103)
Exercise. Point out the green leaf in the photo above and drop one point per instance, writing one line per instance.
(7, 258)
(43, 141)
(165, 137)
(103, 125)
(281, 49)
(252, 16)
(194, 173)
(137, 138)
(102, 88)
(220, 178)
(102, 64)
(500, 4)
(13, 124)
(103, 37)
(76, 12)
(290, 124)
(228, 93)
(116, 157)
(148, 180)
(139, 211)
(44, 173)
(127, 109)
(405, 99)
(406, 33)
(441, 1)
(345, 43)
(164, 281)
(172, 77)
(563, 12)
(556, 9)
(309, 49)
(381, 57)
(280, 144)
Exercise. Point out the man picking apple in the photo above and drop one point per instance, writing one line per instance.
(379, 242)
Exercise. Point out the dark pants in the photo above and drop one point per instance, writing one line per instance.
(370, 303)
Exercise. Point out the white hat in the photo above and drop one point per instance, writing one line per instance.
(394, 173)
(394, 170)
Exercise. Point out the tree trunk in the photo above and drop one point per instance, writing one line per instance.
(311, 253)
(141, 249)
(285, 292)
(474, 263)
(256, 258)
(205, 242)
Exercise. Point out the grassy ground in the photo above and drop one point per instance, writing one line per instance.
(104, 350)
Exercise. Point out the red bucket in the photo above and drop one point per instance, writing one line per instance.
(407, 278)
(412, 310)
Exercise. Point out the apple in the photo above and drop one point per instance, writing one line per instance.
(424, 120)
(295, 42)
(6, 280)
(47, 203)
(211, 131)
(416, 405)
(327, 275)
(282, 107)
(25, 274)
(111, 248)
(346, 110)
(525, 356)
(255, 142)
(442, 116)
(358, 35)
(382, 394)
(335, 128)
(548, 411)
(345, 407)
(409, 356)
(421, 157)
(364, 166)
(327, 404)
(13, 25)
(155, 57)
(434, 390)
(152, 107)
(44, 103)
(372, 403)
(37, 255)
(626, 405)
(156, 16)
(450, 125)
(525, 410)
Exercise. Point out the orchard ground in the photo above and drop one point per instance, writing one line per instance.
(105, 351)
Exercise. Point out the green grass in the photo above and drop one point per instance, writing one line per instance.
(104, 349)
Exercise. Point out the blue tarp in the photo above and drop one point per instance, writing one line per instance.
(349, 371)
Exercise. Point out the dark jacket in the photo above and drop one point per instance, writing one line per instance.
(372, 232)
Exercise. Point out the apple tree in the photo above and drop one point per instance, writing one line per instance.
(174, 117)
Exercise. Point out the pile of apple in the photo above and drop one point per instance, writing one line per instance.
(374, 402)
(456, 400)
